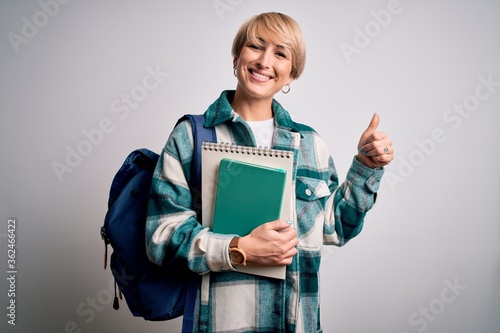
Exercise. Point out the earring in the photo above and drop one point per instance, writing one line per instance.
(286, 92)
(234, 72)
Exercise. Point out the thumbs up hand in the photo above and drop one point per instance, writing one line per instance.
(374, 148)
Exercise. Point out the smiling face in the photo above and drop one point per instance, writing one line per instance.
(268, 53)
(263, 67)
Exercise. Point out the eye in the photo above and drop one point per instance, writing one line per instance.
(281, 55)
(255, 47)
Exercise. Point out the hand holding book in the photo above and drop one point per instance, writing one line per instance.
(271, 243)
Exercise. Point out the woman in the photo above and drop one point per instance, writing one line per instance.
(268, 54)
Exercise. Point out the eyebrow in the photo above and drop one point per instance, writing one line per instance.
(277, 45)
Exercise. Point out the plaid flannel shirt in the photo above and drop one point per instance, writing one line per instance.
(326, 213)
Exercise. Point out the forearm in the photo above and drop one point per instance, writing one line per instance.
(173, 234)
(187, 243)
(347, 207)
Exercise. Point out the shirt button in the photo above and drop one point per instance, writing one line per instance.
(308, 192)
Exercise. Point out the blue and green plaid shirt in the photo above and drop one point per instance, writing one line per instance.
(326, 212)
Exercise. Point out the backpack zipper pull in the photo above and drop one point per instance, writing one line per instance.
(116, 303)
(106, 242)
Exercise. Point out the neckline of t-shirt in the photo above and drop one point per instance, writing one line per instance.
(261, 123)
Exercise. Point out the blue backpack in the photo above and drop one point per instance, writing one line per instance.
(152, 292)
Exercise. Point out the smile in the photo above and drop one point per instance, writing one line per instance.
(259, 76)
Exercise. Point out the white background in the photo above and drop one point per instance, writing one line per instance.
(436, 221)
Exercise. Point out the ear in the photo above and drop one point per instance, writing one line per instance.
(235, 61)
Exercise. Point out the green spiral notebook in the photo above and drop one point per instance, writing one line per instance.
(247, 196)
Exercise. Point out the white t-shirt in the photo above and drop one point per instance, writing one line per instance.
(263, 132)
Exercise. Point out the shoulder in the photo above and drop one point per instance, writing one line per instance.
(180, 141)
(311, 141)
(305, 129)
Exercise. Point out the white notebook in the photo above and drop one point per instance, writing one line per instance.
(212, 154)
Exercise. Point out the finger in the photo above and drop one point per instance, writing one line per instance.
(372, 127)
(293, 243)
(286, 257)
(377, 140)
(378, 150)
(278, 225)
(288, 235)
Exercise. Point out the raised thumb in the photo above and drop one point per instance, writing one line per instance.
(373, 123)
(372, 127)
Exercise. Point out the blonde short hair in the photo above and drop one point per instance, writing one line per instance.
(282, 28)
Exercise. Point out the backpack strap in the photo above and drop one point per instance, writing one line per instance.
(200, 135)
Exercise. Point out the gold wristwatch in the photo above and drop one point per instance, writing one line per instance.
(237, 255)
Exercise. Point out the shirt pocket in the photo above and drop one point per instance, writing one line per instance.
(312, 194)
(311, 189)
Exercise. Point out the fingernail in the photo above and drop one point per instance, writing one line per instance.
(289, 222)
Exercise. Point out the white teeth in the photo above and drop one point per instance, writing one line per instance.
(262, 76)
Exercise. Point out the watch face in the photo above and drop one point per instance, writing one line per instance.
(237, 257)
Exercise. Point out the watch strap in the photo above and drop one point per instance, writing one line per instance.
(234, 242)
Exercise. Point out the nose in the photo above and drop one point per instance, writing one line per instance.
(265, 58)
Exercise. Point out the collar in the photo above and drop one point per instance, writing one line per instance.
(221, 111)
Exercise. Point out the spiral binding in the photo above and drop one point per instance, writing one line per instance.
(233, 148)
